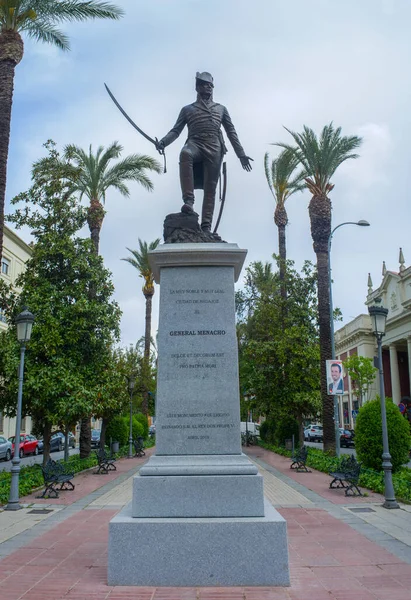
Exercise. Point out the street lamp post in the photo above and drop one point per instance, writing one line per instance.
(360, 223)
(24, 322)
(378, 316)
(246, 398)
(131, 383)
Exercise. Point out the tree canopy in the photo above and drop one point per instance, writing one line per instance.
(68, 361)
(279, 362)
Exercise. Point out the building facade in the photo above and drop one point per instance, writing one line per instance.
(15, 255)
(357, 337)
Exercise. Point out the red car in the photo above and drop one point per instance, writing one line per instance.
(28, 445)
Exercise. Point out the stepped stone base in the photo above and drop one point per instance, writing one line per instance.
(248, 551)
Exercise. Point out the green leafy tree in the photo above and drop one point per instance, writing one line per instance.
(368, 435)
(283, 182)
(98, 175)
(279, 362)
(73, 334)
(92, 175)
(320, 158)
(362, 373)
(38, 19)
(139, 260)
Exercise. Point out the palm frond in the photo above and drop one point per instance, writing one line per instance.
(139, 258)
(280, 175)
(75, 10)
(43, 31)
(321, 157)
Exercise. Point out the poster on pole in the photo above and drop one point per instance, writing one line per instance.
(335, 382)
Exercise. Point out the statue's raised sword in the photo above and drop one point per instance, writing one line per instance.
(150, 139)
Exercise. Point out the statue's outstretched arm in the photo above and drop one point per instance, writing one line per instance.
(173, 134)
(235, 142)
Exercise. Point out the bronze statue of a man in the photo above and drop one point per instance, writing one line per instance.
(202, 154)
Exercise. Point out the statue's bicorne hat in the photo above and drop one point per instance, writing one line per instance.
(205, 77)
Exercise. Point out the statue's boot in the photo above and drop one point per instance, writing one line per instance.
(207, 212)
(187, 183)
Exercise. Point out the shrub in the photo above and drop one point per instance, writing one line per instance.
(138, 427)
(267, 431)
(368, 435)
(287, 426)
(144, 422)
(117, 430)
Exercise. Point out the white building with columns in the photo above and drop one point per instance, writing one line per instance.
(15, 254)
(357, 338)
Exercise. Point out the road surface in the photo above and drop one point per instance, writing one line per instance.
(31, 460)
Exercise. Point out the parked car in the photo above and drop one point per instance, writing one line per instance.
(95, 438)
(152, 430)
(346, 438)
(5, 448)
(57, 442)
(72, 439)
(313, 433)
(28, 445)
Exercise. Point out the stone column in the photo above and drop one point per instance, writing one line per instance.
(409, 357)
(395, 375)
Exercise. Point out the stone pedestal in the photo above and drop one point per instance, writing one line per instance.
(198, 500)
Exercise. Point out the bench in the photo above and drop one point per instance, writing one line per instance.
(347, 476)
(105, 462)
(56, 474)
(298, 460)
(139, 447)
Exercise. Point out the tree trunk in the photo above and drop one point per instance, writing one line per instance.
(103, 433)
(66, 443)
(300, 430)
(95, 216)
(11, 53)
(46, 441)
(85, 437)
(281, 220)
(320, 216)
(147, 345)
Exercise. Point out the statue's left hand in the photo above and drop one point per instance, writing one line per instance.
(245, 162)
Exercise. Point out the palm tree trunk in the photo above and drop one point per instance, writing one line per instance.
(281, 220)
(147, 344)
(320, 216)
(95, 216)
(85, 437)
(46, 441)
(11, 53)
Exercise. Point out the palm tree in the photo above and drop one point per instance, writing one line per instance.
(38, 20)
(320, 158)
(139, 260)
(283, 183)
(93, 176)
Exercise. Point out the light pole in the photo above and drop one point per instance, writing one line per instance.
(131, 383)
(378, 316)
(24, 322)
(361, 223)
(246, 399)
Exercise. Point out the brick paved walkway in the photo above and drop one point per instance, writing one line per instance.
(329, 560)
(316, 481)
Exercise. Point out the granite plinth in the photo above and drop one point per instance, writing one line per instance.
(198, 496)
(231, 464)
(198, 552)
(195, 255)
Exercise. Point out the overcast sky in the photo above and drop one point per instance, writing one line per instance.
(275, 63)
